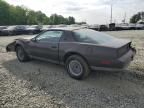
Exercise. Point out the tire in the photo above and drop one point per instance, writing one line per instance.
(21, 54)
(77, 67)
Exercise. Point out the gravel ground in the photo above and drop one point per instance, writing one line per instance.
(38, 84)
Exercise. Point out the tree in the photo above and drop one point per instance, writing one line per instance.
(59, 19)
(135, 18)
(71, 20)
(20, 15)
(4, 13)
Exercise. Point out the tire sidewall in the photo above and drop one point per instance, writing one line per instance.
(25, 58)
(83, 63)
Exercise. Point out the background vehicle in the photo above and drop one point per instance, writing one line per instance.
(111, 26)
(14, 30)
(79, 49)
(103, 28)
(125, 26)
(8, 31)
(20, 29)
(34, 29)
(45, 27)
(1, 29)
(132, 26)
(94, 27)
(139, 26)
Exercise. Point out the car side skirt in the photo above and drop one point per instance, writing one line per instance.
(44, 59)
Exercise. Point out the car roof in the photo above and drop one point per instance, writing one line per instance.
(67, 28)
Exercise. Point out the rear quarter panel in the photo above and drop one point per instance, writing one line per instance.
(91, 52)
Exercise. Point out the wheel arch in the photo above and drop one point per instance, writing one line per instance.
(18, 44)
(73, 53)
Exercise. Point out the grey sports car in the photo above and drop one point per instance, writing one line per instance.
(80, 50)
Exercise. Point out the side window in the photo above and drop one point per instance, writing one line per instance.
(49, 36)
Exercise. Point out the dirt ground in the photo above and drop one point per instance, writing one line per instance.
(38, 84)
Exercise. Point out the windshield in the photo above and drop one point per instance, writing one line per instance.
(91, 36)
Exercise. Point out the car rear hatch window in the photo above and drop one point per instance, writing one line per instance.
(91, 36)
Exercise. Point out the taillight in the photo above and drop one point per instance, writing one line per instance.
(106, 62)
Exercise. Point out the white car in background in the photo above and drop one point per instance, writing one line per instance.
(139, 26)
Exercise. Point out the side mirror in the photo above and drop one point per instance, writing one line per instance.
(33, 39)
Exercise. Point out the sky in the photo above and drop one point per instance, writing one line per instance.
(91, 11)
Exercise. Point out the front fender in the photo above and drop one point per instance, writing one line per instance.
(11, 47)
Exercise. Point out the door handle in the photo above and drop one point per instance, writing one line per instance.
(53, 46)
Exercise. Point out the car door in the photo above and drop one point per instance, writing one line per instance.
(46, 45)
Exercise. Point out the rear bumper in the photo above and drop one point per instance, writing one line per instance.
(118, 64)
(127, 58)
